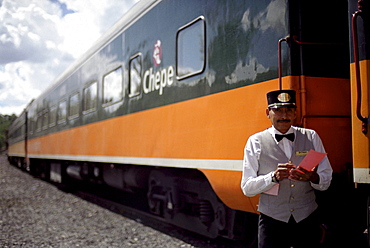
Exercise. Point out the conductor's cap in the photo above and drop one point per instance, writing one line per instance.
(281, 98)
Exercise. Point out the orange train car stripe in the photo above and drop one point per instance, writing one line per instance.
(17, 149)
(211, 127)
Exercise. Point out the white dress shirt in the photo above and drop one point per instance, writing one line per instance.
(253, 184)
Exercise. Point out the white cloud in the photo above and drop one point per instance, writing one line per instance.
(24, 29)
(246, 72)
(271, 17)
(41, 38)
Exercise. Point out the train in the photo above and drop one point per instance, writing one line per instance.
(163, 103)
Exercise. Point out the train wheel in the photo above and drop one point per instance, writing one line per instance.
(184, 198)
(156, 193)
(220, 216)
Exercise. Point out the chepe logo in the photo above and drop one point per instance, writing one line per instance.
(159, 78)
(157, 53)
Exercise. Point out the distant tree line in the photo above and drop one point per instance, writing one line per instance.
(5, 121)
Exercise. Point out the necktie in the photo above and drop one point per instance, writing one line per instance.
(279, 137)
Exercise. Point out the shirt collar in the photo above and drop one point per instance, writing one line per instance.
(274, 131)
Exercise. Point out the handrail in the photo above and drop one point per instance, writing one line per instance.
(359, 115)
(295, 39)
(280, 67)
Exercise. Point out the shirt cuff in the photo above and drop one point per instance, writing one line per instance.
(273, 178)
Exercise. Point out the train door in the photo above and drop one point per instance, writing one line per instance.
(319, 64)
(360, 103)
(360, 79)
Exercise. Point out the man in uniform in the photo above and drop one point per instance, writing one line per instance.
(288, 210)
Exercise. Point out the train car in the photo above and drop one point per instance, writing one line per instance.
(17, 141)
(164, 102)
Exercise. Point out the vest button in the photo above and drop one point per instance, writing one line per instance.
(292, 185)
(292, 198)
(292, 210)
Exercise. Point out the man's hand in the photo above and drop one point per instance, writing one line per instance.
(283, 171)
(301, 174)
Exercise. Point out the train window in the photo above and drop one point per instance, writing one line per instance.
(62, 112)
(45, 120)
(32, 120)
(39, 122)
(190, 48)
(18, 133)
(135, 76)
(74, 106)
(31, 125)
(53, 115)
(112, 87)
(90, 98)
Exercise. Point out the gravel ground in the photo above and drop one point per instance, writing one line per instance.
(34, 213)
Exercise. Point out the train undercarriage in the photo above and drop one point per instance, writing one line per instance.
(182, 197)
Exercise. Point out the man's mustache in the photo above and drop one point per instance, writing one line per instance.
(285, 120)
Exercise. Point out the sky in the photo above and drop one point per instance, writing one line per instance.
(39, 39)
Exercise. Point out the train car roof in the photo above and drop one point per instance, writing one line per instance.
(126, 20)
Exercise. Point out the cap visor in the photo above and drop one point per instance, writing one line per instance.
(282, 106)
